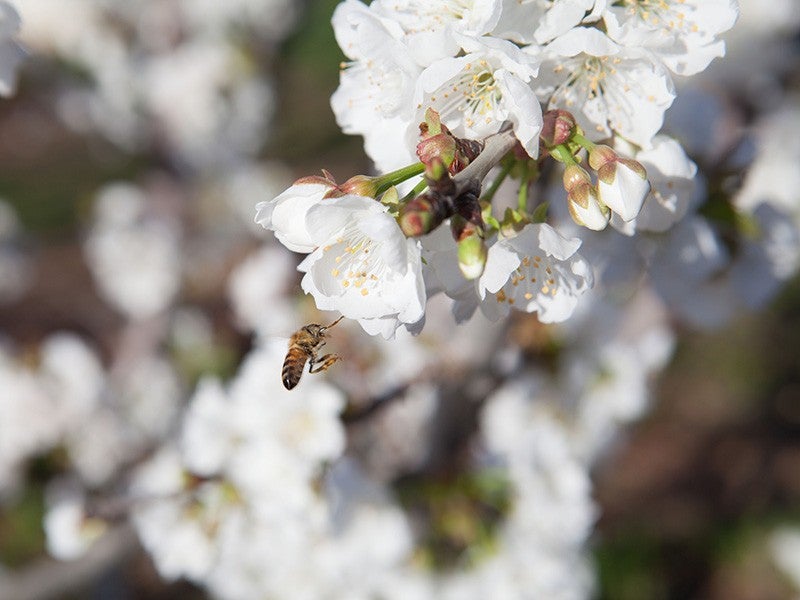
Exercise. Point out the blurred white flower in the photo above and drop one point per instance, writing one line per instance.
(773, 177)
(42, 404)
(272, 19)
(16, 271)
(249, 181)
(69, 531)
(784, 545)
(205, 105)
(257, 289)
(11, 54)
(134, 259)
(706, 285)
(71, 372)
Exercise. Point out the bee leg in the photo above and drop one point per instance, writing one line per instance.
(323, 363)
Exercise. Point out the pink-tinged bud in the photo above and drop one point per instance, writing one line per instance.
(438, 143)
(557, 127)
(600, 156)
(422, 215)
(360, 185)
(575, 176)
(586, 209)
(472, 250)
(441, 147)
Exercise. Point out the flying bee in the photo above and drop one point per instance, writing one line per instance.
(303, 346)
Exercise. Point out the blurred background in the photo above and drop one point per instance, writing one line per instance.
(139, 139)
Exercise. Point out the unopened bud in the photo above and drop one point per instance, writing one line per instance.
(557, 127)
(601, 155)
(360, 185)
(472, 251)
(575, 176)
(586, 209)
(622, 182)
(422, 215)
(440, 147)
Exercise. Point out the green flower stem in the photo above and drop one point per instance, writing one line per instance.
(562, 154)
(419, 188)
(384, 182)
(522, 195)
(497, 181)
(582, 141)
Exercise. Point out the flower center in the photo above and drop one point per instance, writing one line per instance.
(534, 277)
(474, 94)
(667, 15)
(424, 15)
(597, 78)
(356, 262)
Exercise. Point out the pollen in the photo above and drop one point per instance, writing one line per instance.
(364, 291)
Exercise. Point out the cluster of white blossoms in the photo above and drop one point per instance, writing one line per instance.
(601, 71)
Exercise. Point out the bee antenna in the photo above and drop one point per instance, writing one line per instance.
(334, 323)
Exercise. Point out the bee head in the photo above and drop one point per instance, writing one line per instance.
(315, 329)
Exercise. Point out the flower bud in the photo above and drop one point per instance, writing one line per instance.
(601, 155)
(586, 209)
(557, 127)
(622, 182)
(422, 215)
(360, 185)
(472, 251)
(441, 147)
(575, 176)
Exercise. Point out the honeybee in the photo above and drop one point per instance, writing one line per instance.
(303, 346)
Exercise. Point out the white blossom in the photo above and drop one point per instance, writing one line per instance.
(476, 93)
(681, 33)
(704, 283)
(537, 271)
(609, 88)
(540, 21)
(378, 82)
(363, 267)
(434, 30)
(286, 213)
